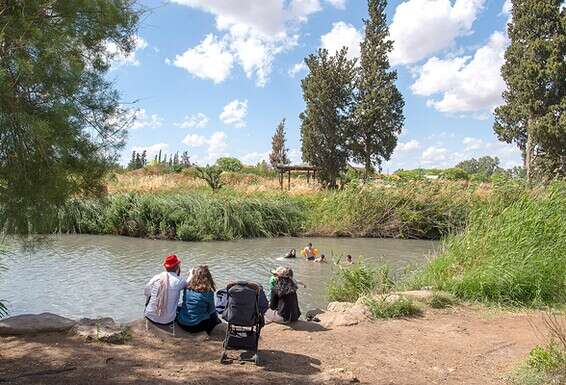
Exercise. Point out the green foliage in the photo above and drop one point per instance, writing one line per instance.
(385, 307)
(60, 118)
(211, 175)
(482, 168)
(548, 358)
(229, 164)
(378, 112)
(352, 282)
(532, 115)
(454, 174)
(328, 94)
(417, 174)
(440, 301)
(187, 217)
(512, 251)
(278, 153)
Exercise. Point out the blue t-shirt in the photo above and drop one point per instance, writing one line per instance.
(197, 306)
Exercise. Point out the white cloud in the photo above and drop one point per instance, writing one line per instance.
(216, 143)
(434, 156)
(141, 119)
(409, 146)
(422, 27)
(472, 143)
(342, 35)
(297, 68)
(199, 120)
(118, 58)
(254, 32)
(340, 4)
(507, 7)
(234, 113)
(467, 84)
(208, 60)
(295, 156)
(151, 150)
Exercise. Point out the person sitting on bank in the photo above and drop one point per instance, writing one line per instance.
(309, 252)
(198, 312)
(162, 292)
(291, 254)
(283, 303)
(321, 259)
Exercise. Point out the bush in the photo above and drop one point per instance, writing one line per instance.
(510, 253)
(440, 301)
(549, 358)
(352, 282)
(454, 174)
(384, 308)
(229, 164)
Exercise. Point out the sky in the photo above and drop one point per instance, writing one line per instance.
(215, 77)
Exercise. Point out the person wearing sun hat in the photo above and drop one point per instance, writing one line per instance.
(162, 292)
(283, 303)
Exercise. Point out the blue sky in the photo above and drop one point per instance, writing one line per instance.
(214, 77)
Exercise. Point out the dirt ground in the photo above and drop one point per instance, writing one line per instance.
(450, 346)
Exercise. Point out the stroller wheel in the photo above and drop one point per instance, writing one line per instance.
(223, 358)
(256, 359)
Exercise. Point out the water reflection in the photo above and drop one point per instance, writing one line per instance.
(90, 275)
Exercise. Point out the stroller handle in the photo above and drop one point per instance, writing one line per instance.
(251, 285)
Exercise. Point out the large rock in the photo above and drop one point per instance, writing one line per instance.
(27, 324)
(344, 314)
(102, 329)
(339, 307)
(417, 295)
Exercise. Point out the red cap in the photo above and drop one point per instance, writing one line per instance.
(171, 262)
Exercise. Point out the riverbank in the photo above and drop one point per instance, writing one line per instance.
(461, 345)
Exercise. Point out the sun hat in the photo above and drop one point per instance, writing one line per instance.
(282, 271)
(171, 261)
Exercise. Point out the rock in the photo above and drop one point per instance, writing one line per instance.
(339, 307)
(312, 315)
(333, 319)
(27, 324)
(102, 329)
(338, 376)
(417, 295)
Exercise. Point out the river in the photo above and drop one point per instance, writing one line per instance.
(99, 275)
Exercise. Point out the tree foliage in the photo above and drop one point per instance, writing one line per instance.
(229, 164)
(60, 118)
(211, 175)
(278, 153)
(378, 114)
(328, 93)
(532, 116)
(483, 167)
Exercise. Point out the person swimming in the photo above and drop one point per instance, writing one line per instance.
(291, 254)
(309, 252)
(321, 259)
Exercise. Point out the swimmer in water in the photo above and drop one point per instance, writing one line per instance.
(291, 254)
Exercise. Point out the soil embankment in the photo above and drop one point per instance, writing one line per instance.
(450, 346)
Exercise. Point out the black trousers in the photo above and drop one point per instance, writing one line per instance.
(204, 326)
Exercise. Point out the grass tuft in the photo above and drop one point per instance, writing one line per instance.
(384, 307)
(352, 282)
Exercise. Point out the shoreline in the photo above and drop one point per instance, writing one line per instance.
(460, 345)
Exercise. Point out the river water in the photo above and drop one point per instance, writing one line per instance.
(98, 275)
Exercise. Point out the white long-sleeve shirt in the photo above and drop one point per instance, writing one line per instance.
(176, 284)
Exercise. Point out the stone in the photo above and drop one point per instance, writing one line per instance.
(339, 307)
(312, 315)
(28, 324)
(102, 329)
(331, 319)
(417, 295)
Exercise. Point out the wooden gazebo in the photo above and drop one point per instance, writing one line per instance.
(282, 169)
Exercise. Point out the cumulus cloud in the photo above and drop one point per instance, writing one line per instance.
(409, 146)
(342, 35)
(216, 143)
(234, 113)
(422, 27)
(467, 84)
(151, 150)
(210, 59)
(198, 120)
(472, 143)
(254, 32)
(141, 119)
(297, 68)
(434, 156)
(118, 58)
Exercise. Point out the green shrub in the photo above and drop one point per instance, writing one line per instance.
(352, 282)
(440, 301)
(510, 253)
(454, 174)
(385, 308)
(549, 358)
(229, 164)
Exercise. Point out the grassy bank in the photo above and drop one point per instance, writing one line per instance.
(513, 251)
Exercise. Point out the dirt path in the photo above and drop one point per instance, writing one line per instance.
(453, 346)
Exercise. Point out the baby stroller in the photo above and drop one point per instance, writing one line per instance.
(244, 315)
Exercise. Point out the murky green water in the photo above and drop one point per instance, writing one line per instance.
(93, 276)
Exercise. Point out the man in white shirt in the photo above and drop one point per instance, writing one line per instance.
(162, 292)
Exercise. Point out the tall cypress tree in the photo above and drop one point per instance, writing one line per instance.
(535, 99)
(378, 116)
(328, 94)
(278, 151)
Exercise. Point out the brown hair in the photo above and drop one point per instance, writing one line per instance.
(201, 280)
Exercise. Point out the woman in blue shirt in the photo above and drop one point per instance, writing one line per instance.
(197, 313)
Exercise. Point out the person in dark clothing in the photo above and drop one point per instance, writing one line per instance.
(284, 303)
(291, 254)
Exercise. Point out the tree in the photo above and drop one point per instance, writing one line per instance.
(60, 119)
(532, 115)
(211, 175)
(278, 151)
(328, 94)
(229, 164)
(483, 167)
(378, 114)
